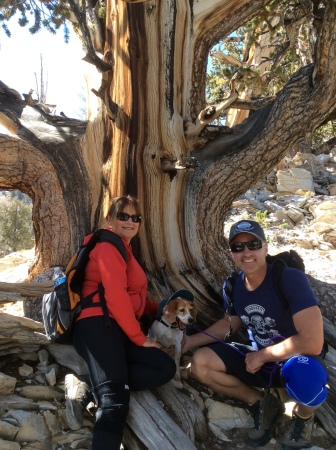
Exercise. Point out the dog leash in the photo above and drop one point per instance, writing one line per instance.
(269, 368)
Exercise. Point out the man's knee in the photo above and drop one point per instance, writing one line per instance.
(200, 363)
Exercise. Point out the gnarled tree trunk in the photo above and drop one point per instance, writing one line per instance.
(150, 140)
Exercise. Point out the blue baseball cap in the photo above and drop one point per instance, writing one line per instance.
(305, 379)
(247, 226)
(183, 293)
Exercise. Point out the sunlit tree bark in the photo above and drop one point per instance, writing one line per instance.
(150, 140)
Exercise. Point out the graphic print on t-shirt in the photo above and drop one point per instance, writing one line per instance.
(262, 327)
(263, 312)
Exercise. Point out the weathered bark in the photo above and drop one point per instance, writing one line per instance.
(326, 413)
(155, 91)
(152, 426)
(189, 416)
(27, 289)
(326, 293)
(45, 161)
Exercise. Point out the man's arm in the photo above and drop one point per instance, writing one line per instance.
(307, 341)
(219, 329)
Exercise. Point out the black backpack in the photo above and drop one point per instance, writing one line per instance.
(279, 261)
(61, 307)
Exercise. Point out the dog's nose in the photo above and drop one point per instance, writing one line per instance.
(190, 320)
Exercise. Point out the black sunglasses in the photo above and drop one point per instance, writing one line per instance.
(136, 218)
(251, 245)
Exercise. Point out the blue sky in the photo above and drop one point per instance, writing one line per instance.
(20, 60)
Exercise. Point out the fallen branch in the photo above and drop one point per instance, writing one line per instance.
(28, 289)
(10, 298)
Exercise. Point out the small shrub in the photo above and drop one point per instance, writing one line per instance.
(261, 218)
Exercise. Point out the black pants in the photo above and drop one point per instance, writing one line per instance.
(117, 365)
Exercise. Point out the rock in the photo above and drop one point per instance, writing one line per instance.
(226, 416)
(51, 377)
(17, 402)
(218, 432)
(47, 368)
(7, 431)
(43, 357)
(31, 425)
(41, 392)
(7, 384)
(7, 445)
(28, 356)
(325, 212)
(295, 215)
(25, 370)
(291, 180)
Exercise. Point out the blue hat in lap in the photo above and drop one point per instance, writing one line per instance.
(305, 379)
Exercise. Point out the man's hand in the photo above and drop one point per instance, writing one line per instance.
(254, 361)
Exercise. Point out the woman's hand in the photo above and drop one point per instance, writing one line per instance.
(150, 343)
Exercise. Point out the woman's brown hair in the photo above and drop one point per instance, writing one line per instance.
(119, 203)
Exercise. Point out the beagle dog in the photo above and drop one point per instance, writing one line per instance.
(173, 315)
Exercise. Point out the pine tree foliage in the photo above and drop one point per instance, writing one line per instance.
(36, 15)
(16, 229)
(289, 46)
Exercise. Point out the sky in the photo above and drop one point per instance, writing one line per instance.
(63, 68)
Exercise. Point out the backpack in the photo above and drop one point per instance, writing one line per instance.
(61, 307)
(279, 261)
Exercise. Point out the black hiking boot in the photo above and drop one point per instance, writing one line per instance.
(265, 413)
(299, 434)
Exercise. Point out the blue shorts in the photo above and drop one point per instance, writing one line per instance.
(233, 356)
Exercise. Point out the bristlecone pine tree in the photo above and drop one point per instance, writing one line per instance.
(151, 137)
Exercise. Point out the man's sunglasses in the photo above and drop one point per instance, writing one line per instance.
(251, 245)
(136, 218)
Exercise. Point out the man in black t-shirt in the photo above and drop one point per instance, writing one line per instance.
(284, 347)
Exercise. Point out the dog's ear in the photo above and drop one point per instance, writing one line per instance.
(169, 311)
(194, 311)
(170, 307)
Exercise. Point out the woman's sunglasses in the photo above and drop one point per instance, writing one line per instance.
(136, 218)
(251, 245)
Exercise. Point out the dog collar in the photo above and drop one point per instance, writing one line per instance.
(172, 325)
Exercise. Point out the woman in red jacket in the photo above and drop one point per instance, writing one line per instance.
(119, 356)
